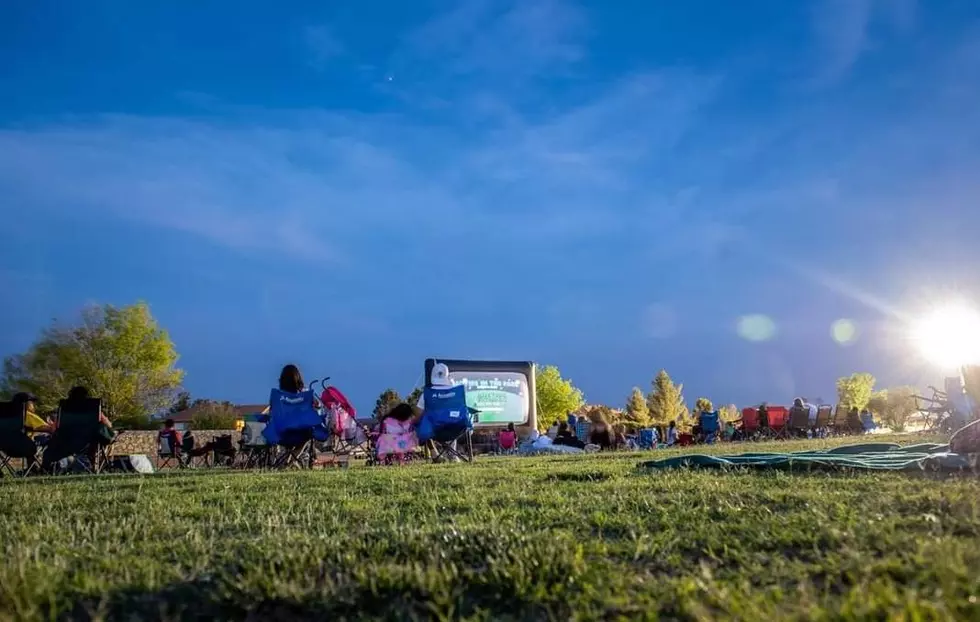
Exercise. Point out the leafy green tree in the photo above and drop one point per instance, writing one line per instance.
(556, 396)
(120, 354)
(666, 401)
(855, 390)
(388, 399)
(636, 413)
(878, 404)
(703, 405)
(215, 416)
(894, 407)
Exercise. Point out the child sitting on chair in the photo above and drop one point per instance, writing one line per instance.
(397, 438)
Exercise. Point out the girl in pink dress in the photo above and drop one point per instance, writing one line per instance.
(397, 438)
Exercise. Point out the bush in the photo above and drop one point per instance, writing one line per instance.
(215, 416)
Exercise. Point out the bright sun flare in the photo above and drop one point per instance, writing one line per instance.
(949, 336)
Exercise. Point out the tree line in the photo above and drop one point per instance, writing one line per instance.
(124, 356)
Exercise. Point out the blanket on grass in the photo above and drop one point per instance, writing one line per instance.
(865, 457)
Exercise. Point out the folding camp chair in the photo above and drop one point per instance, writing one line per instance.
(254, 452)
(168, 454)
(79, 428)
(295, 450)
(799, 422)
(15, 444)
(824, 415)
(710, 426)
(292, 420)
(778, 423)
(750, 422)
(447, 420)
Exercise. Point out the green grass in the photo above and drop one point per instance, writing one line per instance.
(505, 538)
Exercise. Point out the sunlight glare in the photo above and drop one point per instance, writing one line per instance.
(949, 336)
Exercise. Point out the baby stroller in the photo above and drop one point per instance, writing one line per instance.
(347, 437)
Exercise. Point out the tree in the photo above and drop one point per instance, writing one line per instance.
(703, 405)
(854, 391)
(597, 412)
(878, 404)
(181, 403)
(556, 396)
(414, 397)
(388, 399)
(636, 412)
(894, 407)
(120, 354)
(666, 401)
(215, 416)
(729, 413)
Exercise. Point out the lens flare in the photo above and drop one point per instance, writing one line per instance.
(756, 327)
(949, 336)
(844, 331)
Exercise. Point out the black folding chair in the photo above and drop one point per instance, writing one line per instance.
(15, 444)
(79, 429)
(168, 454)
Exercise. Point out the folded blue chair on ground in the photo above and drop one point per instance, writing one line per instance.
(293, 419)
(446, 420)
(710, 426)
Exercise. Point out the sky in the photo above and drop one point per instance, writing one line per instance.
(610, 187)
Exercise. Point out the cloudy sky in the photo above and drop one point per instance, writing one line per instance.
(613, 187)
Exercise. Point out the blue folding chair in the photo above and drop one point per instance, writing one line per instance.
(648, 438)
(710, 426)
(447, 420)
(293, 418)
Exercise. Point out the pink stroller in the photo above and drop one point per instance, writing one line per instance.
(348, 438)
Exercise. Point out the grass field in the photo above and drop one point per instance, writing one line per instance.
(506, 538)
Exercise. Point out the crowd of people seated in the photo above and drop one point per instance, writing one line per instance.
(47, 438)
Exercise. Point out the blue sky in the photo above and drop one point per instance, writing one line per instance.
(604, 186)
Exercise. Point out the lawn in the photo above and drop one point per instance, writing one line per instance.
(505, 538)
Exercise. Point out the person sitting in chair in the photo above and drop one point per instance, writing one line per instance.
(567, 437)
(172, 437)
(101, 437)
(602, 436)
(36, 426)
(439, 379)
(397, 438)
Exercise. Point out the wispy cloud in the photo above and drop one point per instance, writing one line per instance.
(503, 37)
(842, 30)
(321, 186)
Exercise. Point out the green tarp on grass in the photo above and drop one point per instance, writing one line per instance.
(866, 456)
